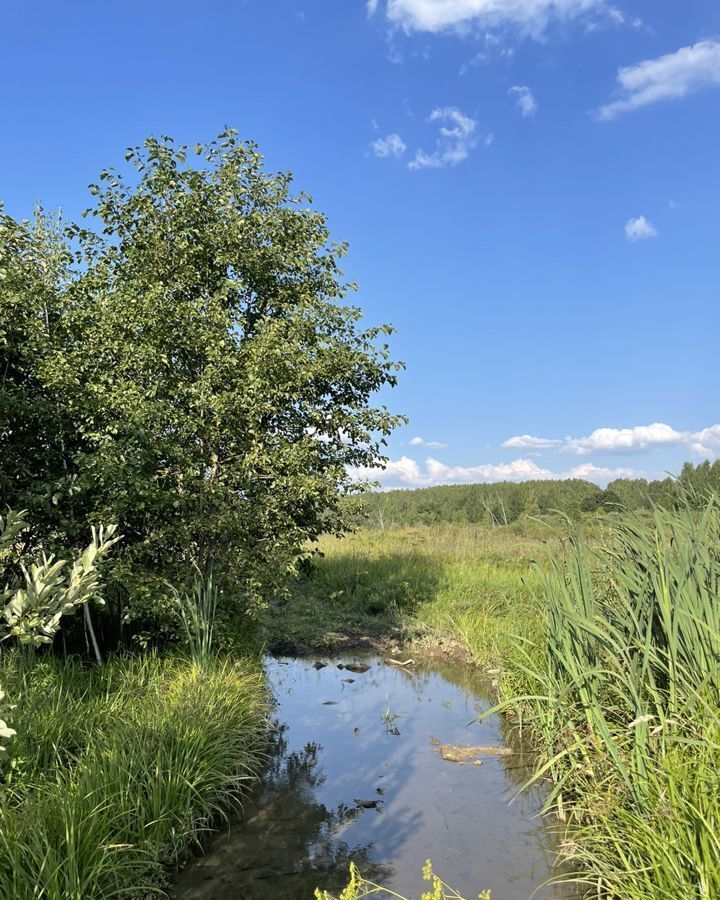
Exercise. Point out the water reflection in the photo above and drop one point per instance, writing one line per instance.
(352, 775)
(286, 842)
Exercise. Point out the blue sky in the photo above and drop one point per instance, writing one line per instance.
(529, 188)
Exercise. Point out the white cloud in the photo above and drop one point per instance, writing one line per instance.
(431, 445)
(524, 100)
(600, 474)
(517, 470)
(392, 145)
(455, 141)
(638, 229)
(641, 438)
(672, 76)
(528, 442)
(706, 442)
(529, 16)
(371, 7)
(405, 472)
(645, 437)
(625, 440)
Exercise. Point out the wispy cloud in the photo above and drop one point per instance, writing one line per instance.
(431, 445)
(667, 77)
(455, 141)
(528, 442)
(639, 439)
(525, 101)
(494, 47)
(530, 17)
(618, 17)
(406, 472)
(639, 229)
(392, 145)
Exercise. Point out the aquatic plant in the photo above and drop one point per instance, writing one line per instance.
(388, 719)
(359, 887)
(632, 643)
(197, 609)
(623, 695)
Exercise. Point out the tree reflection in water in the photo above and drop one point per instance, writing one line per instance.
(288, 843)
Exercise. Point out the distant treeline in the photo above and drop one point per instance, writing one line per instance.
(506, 502)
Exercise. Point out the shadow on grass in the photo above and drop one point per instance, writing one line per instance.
(353, 595)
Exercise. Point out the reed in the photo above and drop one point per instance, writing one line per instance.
(624, 700)
(197, 609)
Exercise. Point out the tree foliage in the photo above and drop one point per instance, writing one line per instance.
(188, 367)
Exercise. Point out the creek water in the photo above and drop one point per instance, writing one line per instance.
(355, 773)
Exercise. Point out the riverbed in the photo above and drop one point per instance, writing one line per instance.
(359, 769)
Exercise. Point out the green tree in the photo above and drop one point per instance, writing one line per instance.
(34, 260)
(626, 494)
(699, 481)
(193, 371)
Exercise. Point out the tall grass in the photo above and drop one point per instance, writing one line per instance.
(197, 609)
(670, 847)
(120, 769)
(624, 695)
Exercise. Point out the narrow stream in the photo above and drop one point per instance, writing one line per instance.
(356, 773)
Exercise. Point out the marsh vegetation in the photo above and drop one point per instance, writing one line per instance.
(602, 639)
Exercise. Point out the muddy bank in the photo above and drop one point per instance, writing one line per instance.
(425, 648)
(334, 642)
